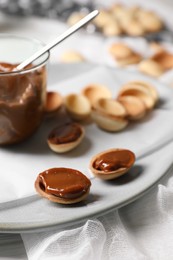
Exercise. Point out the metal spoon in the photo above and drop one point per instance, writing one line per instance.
(59, 39)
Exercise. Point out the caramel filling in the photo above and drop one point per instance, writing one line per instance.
(114, 160)
(66, 133)
(64, 183)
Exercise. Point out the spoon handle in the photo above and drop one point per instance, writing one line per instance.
(59, 39)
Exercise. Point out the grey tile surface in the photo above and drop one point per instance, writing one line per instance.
(11, 247)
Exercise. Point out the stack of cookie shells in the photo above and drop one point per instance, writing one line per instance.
(133, 101)
(123, 20)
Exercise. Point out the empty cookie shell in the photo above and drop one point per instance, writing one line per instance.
(110, 107)
(134, 28)
(150, 21)
(152, 90)
(65, 137)
(72, 57)
(135, 107)
(112, 163)
(53, 103)
(135, 58)
(102, 19)
(117, 9)
(74, 18)
(96, 91)
(120, 50)
(78, 106)
(164, 58)
(138, 91)
(63, 185)
(112, 28)
(124, 55)
(109, 115)
(151, 68)
(108, 123)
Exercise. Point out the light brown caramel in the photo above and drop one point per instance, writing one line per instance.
(65, 133)
(112, 163)
(65, 137)
(114, 160)
(63, 185)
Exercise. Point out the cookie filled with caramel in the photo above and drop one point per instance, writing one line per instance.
(112, 163)
(65, 137)
(63, 185)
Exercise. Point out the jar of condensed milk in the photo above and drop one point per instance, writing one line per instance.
(22, 93)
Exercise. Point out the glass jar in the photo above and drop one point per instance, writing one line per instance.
(22, 93)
